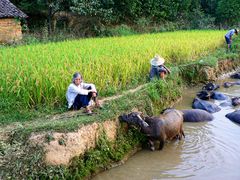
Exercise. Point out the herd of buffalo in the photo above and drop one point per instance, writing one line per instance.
(169, 124)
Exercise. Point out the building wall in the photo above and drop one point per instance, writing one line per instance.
(10, 30)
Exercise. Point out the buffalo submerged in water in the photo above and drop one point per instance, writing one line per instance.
(234, 116)
(206, 95)
(196, 115)
(229, 84)
(205, 105)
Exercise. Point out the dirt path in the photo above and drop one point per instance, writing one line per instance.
(124, 93)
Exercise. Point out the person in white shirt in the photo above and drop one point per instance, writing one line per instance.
(79, 94)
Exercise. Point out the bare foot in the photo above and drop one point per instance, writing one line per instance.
(88, 110)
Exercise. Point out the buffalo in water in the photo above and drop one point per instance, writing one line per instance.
(218, 96)
(235, 101)
(235, 75)
(229, 84)
(205, 105)
(210, 87)
(234, 116)
(206, 95)
(196, 115)
(167, 126)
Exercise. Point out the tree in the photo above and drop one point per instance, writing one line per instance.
(228, 12)
(209, 7)
(43, 7)
(100, 9)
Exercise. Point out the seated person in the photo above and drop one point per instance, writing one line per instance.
(158, 69)
(79, 94)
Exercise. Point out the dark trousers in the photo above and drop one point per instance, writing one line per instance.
(81, 101)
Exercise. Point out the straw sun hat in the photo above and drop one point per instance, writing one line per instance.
(237, 31)
(157, 61)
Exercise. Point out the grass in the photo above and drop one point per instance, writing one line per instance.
(36, 76)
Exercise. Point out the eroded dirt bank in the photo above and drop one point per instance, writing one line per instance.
(62, 147)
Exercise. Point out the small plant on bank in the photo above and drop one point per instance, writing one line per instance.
(49, 137)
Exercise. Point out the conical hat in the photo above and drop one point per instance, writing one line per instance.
(157, 61)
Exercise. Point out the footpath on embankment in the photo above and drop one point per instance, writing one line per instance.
(73, 145)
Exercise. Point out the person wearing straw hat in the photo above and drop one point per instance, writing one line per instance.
(79, 94)
(158, 69)
(228, 37)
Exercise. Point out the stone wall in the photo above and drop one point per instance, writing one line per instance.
(10, 30)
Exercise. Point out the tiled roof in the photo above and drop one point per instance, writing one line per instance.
(7, 9)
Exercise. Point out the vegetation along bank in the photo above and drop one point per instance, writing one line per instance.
(25, 146)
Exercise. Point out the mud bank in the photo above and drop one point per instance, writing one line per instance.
(100, 145)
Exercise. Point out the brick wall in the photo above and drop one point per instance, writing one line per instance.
(10, 30)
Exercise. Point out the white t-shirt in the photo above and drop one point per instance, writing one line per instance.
(74, 90)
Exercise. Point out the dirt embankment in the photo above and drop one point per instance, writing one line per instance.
(60, 148)
(224, 66)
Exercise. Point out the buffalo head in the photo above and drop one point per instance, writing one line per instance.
(235, 101)
(210, 87)
(205, 95)
(133, 118)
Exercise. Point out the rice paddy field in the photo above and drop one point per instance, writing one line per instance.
(40, 74)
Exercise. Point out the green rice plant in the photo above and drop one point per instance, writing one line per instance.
(37, 75)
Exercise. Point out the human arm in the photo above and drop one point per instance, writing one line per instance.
(168, 70)
(77, 90)
(89, 86)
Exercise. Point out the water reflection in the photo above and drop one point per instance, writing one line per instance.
(209, 151)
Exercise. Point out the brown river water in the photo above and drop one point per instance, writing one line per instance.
(210, 150)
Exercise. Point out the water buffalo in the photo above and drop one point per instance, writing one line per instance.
(205, 95)
(235, 75)
(235, 101)
(166, 126)
(196, 115)
(205, 105)
(218, 96)
(234, 116)
(210, 87)
(229, 84)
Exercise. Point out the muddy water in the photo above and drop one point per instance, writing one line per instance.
(210, 150)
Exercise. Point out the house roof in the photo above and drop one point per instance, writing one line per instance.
(7, 9)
